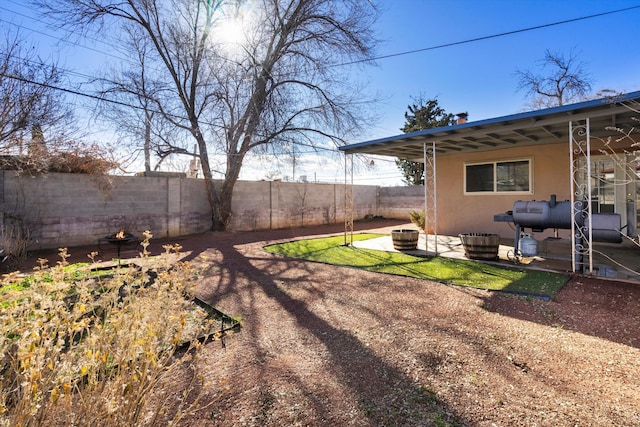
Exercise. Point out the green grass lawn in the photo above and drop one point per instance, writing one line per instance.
(330, 250)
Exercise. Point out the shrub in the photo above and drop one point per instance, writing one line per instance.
(417, 218)
(83, 346)
(81, 160)
(74, 163)
(15, 241)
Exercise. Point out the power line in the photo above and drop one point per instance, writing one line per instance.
(121, 103)
(102, 52)
(387, 56)
(75, 44)
(137, 107)
(64, 71)
(71, 91)
(492, 36)
(60, 39)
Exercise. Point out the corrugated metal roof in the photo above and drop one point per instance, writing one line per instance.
(538, 127)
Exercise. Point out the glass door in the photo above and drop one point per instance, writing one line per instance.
(603, 191)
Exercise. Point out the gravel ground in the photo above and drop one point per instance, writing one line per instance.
(323, 345)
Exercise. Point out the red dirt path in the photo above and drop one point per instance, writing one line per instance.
(324, 345)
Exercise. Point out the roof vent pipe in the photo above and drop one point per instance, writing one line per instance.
(462, 118)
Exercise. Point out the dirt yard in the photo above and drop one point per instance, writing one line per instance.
(329, 346)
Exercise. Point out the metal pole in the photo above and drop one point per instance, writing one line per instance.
(435, 197)
(426, 205)
(344, 202)
(430, 194)
(588, 177)
(581, 221)
(348, 199)
(572, 173)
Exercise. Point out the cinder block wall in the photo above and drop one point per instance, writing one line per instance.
(397, 202)
(71, 209)
(259, 205)
(66, 210)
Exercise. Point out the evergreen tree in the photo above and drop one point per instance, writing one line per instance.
(423, 114)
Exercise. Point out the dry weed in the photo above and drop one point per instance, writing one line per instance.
(82, 348)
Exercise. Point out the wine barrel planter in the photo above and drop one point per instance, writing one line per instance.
(405, 239)
(480, 245)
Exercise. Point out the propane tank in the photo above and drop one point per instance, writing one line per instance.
(528, 245)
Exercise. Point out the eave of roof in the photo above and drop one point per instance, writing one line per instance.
(529, 128)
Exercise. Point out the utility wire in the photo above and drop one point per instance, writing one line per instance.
(121, 103)
(64, 71)
(68, 32)
(392, 55)
(22, 27)
(492, 36)
(387, 56)
(73, 92)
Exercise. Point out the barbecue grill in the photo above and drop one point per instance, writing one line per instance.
(539, 215)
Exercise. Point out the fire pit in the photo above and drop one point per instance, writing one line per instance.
(120, 238)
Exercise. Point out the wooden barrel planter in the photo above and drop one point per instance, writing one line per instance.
(405, 239)
(480, 245)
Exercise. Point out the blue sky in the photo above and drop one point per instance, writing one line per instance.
(477, 77)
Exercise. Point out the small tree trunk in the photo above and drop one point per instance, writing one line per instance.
(147, 143)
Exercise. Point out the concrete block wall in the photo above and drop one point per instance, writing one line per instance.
(263, 205)
(71, 209)
(66, 210)
(397, 202)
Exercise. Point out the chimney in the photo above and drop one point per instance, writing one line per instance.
(462, 118)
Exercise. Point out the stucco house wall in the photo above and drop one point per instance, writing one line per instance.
(463, 213)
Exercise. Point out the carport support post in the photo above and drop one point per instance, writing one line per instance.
(430, 203)
(580, 185)
(348, 199)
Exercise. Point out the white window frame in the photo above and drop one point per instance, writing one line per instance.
(495, 180)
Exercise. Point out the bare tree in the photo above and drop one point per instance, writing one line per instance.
(30, 107)
(564, 79)
(140, 125)
(275, 86)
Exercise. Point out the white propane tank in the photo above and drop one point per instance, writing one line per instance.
(528, 245)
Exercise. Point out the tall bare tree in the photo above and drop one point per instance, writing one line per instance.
(30, 108)
(563, 79)
(141, 127)
(281, 82)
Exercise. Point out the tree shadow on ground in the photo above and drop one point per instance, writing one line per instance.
(195, 244)
(384, 394)
(259, 288)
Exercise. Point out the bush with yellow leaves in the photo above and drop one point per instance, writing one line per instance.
(83, 346)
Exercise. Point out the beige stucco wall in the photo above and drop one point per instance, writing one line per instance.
(460, 213)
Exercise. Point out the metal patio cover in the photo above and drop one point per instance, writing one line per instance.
(538, 127)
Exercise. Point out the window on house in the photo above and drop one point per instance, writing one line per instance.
(498, 177)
